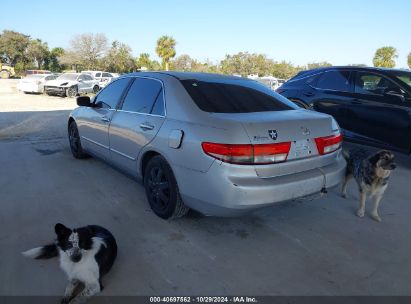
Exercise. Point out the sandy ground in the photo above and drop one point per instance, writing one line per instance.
(315, 247)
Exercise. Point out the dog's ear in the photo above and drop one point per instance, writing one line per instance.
(62, 230)
(374, 159)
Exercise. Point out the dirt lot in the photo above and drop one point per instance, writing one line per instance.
(315, 247)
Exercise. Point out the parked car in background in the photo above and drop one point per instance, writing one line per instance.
(103, 77)
(372, 105)
(221, 145)
(34, 72)
(34, 83)
(72, 84)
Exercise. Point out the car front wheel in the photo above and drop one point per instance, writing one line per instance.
(96, 89)
(162, 190)
(75, 143)
(72, 91)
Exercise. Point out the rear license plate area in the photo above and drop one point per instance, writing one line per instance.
(302, 148)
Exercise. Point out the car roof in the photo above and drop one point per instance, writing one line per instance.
(350, 67)
(186, 75)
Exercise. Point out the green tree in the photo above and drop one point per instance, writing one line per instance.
(38, 51)
(316, 65)
(143, 62)
(119, 58)
(244, 64)
(409, 60)
(385, 57)
(284, 70)
(166, 50)
(13, 47)
(52, 61)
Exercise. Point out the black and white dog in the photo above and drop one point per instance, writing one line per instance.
(85, 254)
(371, 172)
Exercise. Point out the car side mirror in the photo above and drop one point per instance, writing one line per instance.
(80, 80)
(396, 94)
(84, 101)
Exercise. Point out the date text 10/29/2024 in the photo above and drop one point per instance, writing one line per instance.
(207, 299)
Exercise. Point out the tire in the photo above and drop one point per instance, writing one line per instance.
(72, 92)
(75, 143)
(162, 189)
(4, 74)
(96, 89)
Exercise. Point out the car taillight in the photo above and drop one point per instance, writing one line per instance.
(248, 154)
(328, 144)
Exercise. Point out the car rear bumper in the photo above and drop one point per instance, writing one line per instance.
(30, 88)
(227, 190)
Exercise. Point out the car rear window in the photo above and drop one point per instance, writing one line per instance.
(218, 97)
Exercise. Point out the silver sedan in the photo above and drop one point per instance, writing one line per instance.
(218, 144)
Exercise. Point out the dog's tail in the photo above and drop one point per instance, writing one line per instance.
(346, 154)
(44, 252)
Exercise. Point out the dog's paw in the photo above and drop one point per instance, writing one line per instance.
(360, 213)
(376, 217)
(65, 300)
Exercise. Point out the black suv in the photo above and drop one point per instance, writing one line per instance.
(372, 105)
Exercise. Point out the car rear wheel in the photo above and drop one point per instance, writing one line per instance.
(75, 143)
(162, 190)
(96, 89)
(72, 91)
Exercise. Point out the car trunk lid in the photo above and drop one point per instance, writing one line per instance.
(299, 127)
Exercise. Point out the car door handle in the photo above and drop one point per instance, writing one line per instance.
(146, 126)
(105, 119)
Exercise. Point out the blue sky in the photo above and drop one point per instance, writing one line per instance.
(298, 31)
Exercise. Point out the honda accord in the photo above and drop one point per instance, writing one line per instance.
(221, 145)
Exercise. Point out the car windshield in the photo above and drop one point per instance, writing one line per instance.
(405, 77)
(235, 96)
(68, 77)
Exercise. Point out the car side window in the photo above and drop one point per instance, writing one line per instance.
(369, 83)
(110, 96)
(142, 95)
(335, 80)
(106, 75)
(81, 77)
(158, 107)
(88, 77)
(98, 74)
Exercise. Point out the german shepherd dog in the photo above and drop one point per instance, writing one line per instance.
(371, 172)
(85, 253)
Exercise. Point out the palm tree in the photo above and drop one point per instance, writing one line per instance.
(166, 49)
(384, 57)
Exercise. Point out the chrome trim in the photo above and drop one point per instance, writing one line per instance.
(122, 154)
(94, 142)
(147, 114)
